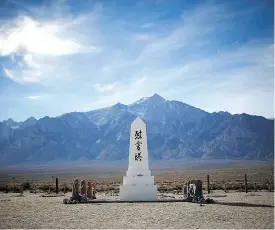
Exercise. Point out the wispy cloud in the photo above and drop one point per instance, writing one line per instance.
(34, 97)
(142, 37)
(205, 54)
(147, 25)
(104, 88)
(29, 61)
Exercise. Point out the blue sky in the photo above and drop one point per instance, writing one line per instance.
(64, 55)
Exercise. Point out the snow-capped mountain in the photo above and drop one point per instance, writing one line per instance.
(175, 131)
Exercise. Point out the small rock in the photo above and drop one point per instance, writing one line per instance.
(84, 200)
(74, 202)
(209, 201)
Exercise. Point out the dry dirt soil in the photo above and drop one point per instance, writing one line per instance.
(33, 211)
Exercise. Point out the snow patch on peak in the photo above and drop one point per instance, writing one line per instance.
(154, 98)
(140, 100)
(157, 97)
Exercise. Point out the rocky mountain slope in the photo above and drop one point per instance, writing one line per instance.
(175, 131)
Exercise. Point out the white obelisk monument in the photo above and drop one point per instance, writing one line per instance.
(138, 184)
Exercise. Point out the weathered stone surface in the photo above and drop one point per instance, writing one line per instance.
(75, 191)
(83, 199)
(90, 190)
(83, 188)
(94, 190)
(185, 189)
(193, 191)
(198, 188)
(66, 201)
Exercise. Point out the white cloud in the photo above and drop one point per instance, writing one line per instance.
(126, 93)
(38, 45)
(10, 75)
(142, 37)
(36, 38)
(21, 65)
(33, 97)
(29, 61)
(12, 58)
(104, 88)
(24, 76)
(38, 96)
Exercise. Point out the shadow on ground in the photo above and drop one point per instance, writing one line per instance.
(244, 204)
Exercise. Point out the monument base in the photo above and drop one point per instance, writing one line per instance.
(138, 180)
(138, 192)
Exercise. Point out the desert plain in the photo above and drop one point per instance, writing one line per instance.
(234, 208)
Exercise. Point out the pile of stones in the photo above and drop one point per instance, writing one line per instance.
(81, 193)
(82, 199)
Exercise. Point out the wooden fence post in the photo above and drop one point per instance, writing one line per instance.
(21, 190)
(208, 184)
(270, 187)
(245, 182)
(56, 185)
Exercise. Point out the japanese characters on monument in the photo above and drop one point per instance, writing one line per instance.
(138, 138)
(138, 153)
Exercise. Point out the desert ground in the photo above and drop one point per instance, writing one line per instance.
(234, 208)
(33, 211)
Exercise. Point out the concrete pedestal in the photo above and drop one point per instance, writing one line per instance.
(138, 192)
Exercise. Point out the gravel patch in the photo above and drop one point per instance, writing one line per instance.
(33, 211)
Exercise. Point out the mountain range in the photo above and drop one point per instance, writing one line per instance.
(176, 131)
